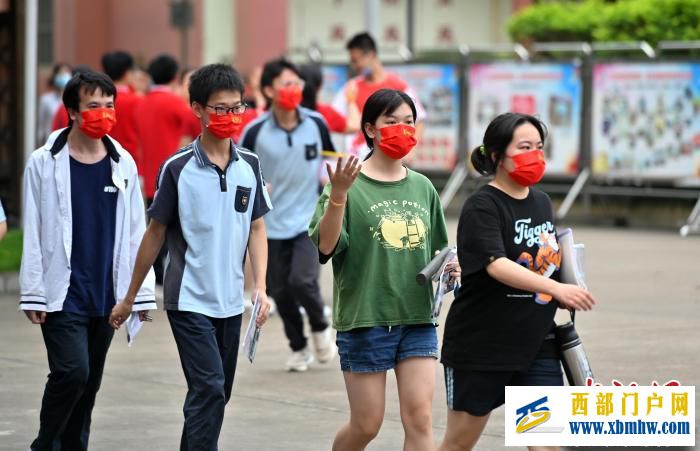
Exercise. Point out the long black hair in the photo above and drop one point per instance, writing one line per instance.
(313, 80)
(384, 101)
(486, 157)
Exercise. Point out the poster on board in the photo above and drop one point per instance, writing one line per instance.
(549, 91)
(646, 121)
(437, 89)
(334, 78)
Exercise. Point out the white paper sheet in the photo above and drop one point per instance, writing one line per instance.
(133, 326)
(572, 259)
(445, 284)
(252, 334)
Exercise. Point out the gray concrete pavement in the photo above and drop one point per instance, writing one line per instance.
(645, 328)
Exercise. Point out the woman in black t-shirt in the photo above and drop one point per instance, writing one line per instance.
(499, 330)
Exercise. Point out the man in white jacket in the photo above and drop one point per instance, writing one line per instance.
(83, 221)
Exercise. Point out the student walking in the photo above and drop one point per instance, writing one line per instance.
(500, 327)
(210, 202)
(381, 223)
(83, 212)
(371, 77)
(162, 119)
(119, 65)
(289, 140)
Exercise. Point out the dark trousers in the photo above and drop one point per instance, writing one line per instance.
(77, 347)
(292, 280)
(208, 349)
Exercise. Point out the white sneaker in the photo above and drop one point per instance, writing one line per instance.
(300, 360)
(324, 347)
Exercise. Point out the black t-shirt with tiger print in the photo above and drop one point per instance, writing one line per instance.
(491, 326)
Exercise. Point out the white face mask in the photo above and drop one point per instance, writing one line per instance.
(61, 80)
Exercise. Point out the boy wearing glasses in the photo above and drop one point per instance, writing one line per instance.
(289, 140)
(210, 200)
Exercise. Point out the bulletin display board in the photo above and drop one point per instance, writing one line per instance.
(549, 91)
(646, 121)
(437, 87)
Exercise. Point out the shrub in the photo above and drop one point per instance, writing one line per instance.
(596, 20)
(11, 251)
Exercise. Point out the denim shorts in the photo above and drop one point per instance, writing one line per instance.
(480, 392)
(379, 349)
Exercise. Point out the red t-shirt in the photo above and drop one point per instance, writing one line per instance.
(192, 126)
(366, 88)
(124, 130)
(60, 119)
(161, 122)
(336, 121)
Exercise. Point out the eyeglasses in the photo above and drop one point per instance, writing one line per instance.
(224, 110)
(290, 83)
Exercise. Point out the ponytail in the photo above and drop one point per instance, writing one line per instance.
(482, 161)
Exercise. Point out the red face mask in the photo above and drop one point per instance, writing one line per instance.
(289, 97)
(224, 126)
(397, 140)
(98, 122)
(529, 167)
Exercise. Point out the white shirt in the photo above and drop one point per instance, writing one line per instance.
(48, 230)
(49, 103)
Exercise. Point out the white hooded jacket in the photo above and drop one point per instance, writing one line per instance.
(48, 229)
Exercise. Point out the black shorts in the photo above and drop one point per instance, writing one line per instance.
(480, 392)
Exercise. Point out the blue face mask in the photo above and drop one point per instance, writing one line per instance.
(61, 80)
(366, 72)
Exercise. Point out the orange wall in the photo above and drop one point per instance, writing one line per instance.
(85, 29)
(261, 31)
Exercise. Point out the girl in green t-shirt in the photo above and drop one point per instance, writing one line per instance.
(381, 223)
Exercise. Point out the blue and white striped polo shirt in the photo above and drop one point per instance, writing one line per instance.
(208, 212)
(292, 163)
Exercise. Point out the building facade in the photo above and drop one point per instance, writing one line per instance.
(243, 32)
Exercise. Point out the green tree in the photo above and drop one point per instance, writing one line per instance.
(597, 20)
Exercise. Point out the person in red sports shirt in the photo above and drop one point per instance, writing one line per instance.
(161, 120)
(60, 119)
(119, 66)
(192, 127)
(371, 78)
(337, 122)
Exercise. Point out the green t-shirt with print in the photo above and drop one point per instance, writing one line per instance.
(390, 232)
